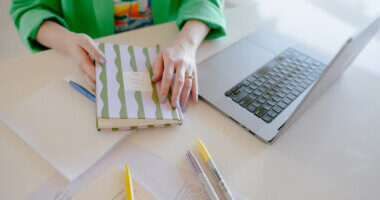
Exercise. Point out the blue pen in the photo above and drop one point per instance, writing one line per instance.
(82, 90)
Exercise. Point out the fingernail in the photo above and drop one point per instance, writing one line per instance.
(163, 99)
(184, 108)
(102, 60)
(196, 99)
(176, 104)
(154, 76)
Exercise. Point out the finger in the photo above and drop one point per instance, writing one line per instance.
(194, 87)
(178, 85)
(89, 82)
(89, 45)
(158, 66)
(87, 66)
(166, 81)
(185, 93)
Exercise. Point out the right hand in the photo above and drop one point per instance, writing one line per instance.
(83, 50)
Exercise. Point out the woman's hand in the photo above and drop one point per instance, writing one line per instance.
(79, 46)
(83, 50)
(178, 61)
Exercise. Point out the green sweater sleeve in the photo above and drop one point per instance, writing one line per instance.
(209, 12)
(29, 15)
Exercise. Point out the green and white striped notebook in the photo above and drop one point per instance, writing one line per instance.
(125, 96)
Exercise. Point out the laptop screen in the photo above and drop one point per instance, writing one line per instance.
(344, 58)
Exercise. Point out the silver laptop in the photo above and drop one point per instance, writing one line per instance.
(265, 81)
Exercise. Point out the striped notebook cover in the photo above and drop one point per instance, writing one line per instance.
(125, 96)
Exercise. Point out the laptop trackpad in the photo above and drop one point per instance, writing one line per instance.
(240, 60)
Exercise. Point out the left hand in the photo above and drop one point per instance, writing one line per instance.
(177, 61)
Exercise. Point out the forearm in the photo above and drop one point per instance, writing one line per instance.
(53, 35)
(192, 34)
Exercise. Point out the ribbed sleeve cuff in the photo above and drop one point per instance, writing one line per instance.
(205, 12)
(31, 21)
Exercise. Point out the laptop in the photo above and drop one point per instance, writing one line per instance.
(266, 81)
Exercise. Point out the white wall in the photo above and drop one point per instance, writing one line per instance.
(10, 43)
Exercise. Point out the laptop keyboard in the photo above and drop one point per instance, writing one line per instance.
(268, 91)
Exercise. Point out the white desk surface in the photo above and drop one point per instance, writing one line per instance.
(332, 152)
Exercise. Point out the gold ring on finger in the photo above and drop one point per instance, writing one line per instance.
(189, 76)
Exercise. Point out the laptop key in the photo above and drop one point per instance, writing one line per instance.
(272, 72)
(291, 96)
(272, 81)
(267, 75)
(299, 89)
(248, 90)
(272, 113)
(263, 88)
(258, 82)
(277, 109)
(251, 108)
(246, 101)
(266, 106)
(238, 85)
(287, 100)
(253, 96)
(308, 81)
(272, 102)
(282, 105)
(276, 98)
(281, 94)
(245, 83)
(227, 94)
(251, 79)
(266, 95)
(253, 86)
(259, 112)
(235, 91)
(271, 91)
(258, 92)
(268, 85)
(296, 93)
(304, 85)
(285, 90)
(239, 97)
(276, 88)
(267, 118)
(256, 103)
(290, 87)
(261, 100)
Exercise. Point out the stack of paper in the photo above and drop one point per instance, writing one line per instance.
(59, 123)
(111, 185)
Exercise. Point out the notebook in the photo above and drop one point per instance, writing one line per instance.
(126, 98)
(111, 186)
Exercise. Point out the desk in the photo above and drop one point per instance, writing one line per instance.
(330, 153)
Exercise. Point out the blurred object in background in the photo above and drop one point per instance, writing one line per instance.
(354, 12)
(234, 3)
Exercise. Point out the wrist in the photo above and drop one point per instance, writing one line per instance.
(70, 40)
(186, 45)
(192, 34)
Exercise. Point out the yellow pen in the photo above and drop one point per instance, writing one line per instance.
(128, 183)
(214, 171)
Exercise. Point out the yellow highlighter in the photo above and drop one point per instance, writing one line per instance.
(128, 183)
(214, 171)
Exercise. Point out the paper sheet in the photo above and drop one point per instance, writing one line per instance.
(46, 123)
(111, 186)
(162, 178)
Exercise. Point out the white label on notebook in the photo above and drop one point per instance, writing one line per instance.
(137, 81)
